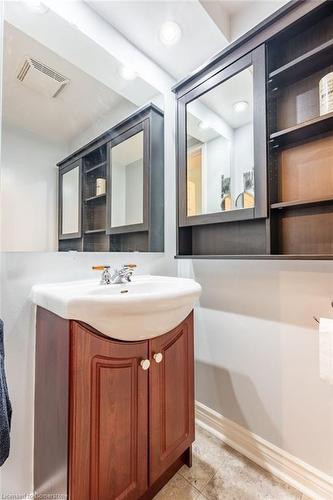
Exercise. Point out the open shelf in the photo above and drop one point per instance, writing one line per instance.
(301, 203)
(304, 65)
(301, 141)
(95, 167)
(96, 197)
(303, 131)
(96, 241)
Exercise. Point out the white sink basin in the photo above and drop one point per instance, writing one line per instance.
(146, 307)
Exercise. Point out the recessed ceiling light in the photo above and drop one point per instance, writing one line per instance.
(127, 73)
(170, 33)
(203, 125)
(36, 5)
(240, 106)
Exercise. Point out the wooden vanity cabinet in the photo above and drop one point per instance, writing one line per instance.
(109, 420)
(171, 398)
(105, 428)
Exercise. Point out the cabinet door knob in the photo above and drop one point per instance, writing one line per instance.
(145, 364)
(158, 357)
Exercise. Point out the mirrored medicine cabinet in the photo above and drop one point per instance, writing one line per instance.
(122, 179)
(254, 143)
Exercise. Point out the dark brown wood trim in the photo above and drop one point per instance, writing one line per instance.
(258, 257)
(51, 423)
(184, 459)
(258, 57)
(215, 218)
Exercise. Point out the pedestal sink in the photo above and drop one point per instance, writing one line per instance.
(146, 307)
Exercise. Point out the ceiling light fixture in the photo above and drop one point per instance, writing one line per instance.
(127, 73)
(203, 125)
(170, 33)
(36, 6)
(240, 106)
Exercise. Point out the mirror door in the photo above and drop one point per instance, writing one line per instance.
(70, 201)
(127, 209)
(222, 164)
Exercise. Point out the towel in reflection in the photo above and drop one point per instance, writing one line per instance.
(5, 406)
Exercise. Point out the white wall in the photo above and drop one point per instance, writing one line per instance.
(216, 161)
(106, 121)
(245, 19)
(134, 192)
(242, 160)
(257, 350)
(29, 191)
(118, 196)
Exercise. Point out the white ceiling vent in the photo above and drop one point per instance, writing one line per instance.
(44, 80)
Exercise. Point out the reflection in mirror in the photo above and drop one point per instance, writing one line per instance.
(62, 88)
(220, 160)
(70, 201)
(127, 182)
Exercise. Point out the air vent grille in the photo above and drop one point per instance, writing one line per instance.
(24, 70)
(41, 78)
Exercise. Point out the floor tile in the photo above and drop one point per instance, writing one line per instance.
(178, 489)
(214, 452)
(244, 480)
(219, 472)
(200, 472)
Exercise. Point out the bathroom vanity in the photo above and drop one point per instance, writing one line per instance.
(114, 418)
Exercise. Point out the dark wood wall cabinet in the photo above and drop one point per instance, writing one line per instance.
(288, 211)
(105, 427)
(128, 214)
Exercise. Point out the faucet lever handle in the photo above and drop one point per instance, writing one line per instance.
(130, 266)
(100, 268)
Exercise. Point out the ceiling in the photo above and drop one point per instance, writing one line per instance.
(60, 118)
(140, 21)
(234, 6)
(96, 87)
(221, 99)
(128, 151)
(219, 103)
(207, 26)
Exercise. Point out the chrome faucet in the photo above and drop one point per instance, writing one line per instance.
(122, 275)
(106, 275)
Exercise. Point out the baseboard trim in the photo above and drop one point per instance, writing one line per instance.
(310, 481)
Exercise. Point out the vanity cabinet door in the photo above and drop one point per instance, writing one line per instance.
(171, 397)
(109, 418)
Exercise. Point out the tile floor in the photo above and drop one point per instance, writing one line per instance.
(219, 472)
